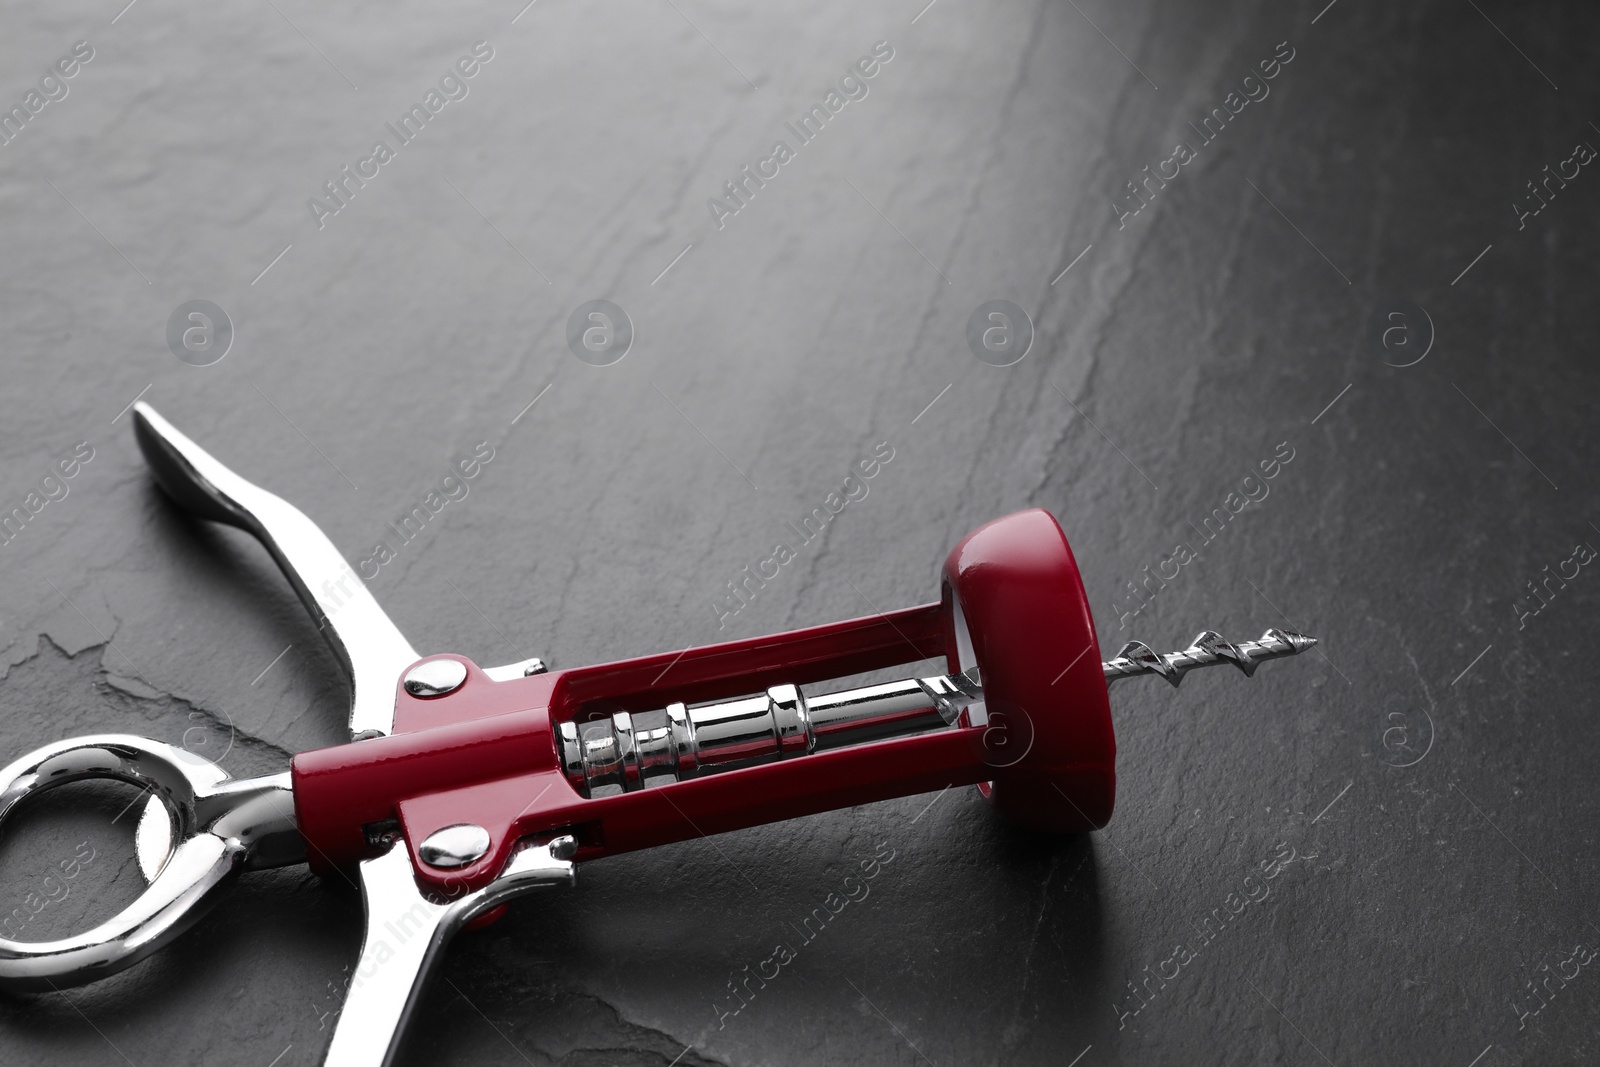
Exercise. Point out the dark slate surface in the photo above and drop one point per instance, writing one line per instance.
(1412, 908)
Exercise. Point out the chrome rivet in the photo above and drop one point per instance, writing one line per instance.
(454, 846)
(435, 677)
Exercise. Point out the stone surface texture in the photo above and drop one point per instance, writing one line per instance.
(1421, 787)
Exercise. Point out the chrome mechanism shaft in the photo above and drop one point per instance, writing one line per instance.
(639, 750)
(1207, 649)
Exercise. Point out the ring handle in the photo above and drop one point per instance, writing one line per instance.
(220, 825)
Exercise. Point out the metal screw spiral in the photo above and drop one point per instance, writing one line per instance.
(1207, 649)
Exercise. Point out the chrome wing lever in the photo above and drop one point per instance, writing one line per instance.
(406, 934)
(365, 640)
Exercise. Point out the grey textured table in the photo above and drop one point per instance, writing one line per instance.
(1344, 264)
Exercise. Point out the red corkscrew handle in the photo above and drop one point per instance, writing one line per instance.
(1040, 746)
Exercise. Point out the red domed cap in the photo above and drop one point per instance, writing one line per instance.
(1014, 605)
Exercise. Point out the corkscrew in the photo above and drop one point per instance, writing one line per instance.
(463, 787)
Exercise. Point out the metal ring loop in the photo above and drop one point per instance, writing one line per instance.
(218, 824)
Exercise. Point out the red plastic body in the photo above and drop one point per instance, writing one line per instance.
(486, 753)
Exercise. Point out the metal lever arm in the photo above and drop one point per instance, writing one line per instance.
(407, 932)
(365, 640)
